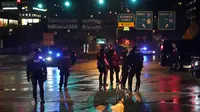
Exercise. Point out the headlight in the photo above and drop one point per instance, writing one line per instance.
(48, 58)
(196, 63)
(154, 52)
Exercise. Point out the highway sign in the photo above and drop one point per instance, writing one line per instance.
(166, 20)
(126, 20)
(144, 20)
(92, 24)
(101, 41)
(126, 24)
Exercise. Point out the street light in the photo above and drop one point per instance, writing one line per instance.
(101, 1)
(40, 5)
(67, 3)
(134, 1)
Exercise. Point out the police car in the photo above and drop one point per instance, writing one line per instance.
(195, 66)
(146, 51)
(52, 56)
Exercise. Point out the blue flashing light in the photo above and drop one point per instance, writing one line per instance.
(144, 48)
(50, 52)
(58, 54)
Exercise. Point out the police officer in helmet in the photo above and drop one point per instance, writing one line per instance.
(37, 73)
(102, 65)
(64, 67)
(135, 59)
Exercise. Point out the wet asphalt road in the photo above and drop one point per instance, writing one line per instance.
(161, 91)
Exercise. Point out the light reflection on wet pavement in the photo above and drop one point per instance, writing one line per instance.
(161, 91)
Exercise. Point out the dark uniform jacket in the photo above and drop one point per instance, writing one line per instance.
(36, 68)
(65, 62)
(135, 59)
(101, 59)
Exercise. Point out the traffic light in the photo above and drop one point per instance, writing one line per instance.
(67, 4)
(101, 1)
(40, 5)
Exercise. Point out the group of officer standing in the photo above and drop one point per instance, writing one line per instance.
(132, 63)
(109, 60)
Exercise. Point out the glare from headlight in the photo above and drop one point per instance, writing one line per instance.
(48, 58)
(196, 63)
(154, 52)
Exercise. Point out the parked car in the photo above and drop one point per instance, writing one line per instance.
(195, 67)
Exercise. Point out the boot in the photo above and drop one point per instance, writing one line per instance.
(137, 87)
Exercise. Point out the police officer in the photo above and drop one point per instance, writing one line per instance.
(173, 56)
(64, 67)
(110, 60)
(135, 59)
(102, 65)
(115, 66)
(124, 62)
(37, 72)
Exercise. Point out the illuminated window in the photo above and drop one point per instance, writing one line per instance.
(26, 14)
(15, 22)
(1, 22)
(22, 14)
(5, 22)
(11, 21)
(29, 14)
(24, 22)
(36, 20)
(30, 20)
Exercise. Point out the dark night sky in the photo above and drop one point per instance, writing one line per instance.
(91, 7)
(114, 4)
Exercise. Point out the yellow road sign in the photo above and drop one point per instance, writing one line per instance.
(126, 24)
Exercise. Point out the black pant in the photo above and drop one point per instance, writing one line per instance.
(124, 75)
(102, 71)
(134, 71)
(64, 77)
(116, 70)
(37, 78)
